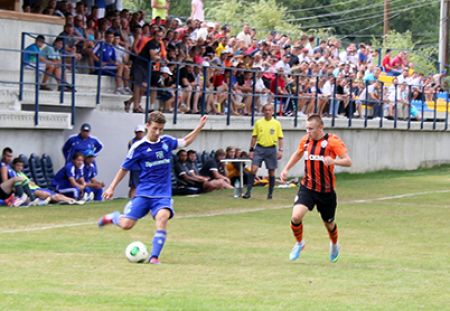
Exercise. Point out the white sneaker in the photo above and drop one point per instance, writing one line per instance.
(19, 201)
(91, 196)
(85, 196)
(35, 202)
(128, 91)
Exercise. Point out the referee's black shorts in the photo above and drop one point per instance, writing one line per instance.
(326, 202)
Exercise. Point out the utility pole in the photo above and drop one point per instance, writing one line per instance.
(443, 34)
(387, 8)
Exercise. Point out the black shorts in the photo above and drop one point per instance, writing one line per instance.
(268, 155)
(3, 194)
(326, 202)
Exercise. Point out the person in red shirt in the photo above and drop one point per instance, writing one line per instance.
(386, 63)
(322, 152)
(398, 63)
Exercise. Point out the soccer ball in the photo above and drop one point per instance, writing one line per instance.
(136, 252)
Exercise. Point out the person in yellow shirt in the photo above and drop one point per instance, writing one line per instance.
(160, 8)
(266, 146)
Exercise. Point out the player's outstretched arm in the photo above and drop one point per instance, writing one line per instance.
(295, 157)
(343, 160)
(189, 138)
(108, 194)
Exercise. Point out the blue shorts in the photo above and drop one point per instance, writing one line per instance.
(138, 207)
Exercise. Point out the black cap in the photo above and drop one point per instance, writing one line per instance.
(85, 127)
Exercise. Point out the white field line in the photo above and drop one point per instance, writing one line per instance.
(225, 212)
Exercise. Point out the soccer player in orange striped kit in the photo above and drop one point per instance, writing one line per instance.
(322, 152)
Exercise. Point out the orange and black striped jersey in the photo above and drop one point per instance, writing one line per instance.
(318, 176)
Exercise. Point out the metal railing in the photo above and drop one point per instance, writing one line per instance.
(292, 99)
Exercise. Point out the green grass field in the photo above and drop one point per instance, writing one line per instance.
(231, 254)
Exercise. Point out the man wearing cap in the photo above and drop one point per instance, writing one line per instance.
(139, 133)
(81, 142)
(284, 64)
(94, 188)
(166, 97)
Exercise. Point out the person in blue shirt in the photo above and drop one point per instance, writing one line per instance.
(105, 54)
(81, 142)
(154, 192)
(94, 188)
(139, 133)
(33, 50)
(69, 180)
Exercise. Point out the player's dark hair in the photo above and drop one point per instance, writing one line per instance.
(76, 155)
(315, 117)
(6, 150)
(156, 117)
(17, 160)
(180, 152)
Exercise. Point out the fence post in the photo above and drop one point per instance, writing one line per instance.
(36, 92)
(435, 110)
(205, 79)
(379, 56)
(316, 100)
(422, 100)
(395, 106)
(446, 112)
(333, 104)
(229, 99)
(73, 64)
(350, 102)
(99, 75)
(252, 122)
(61, 85)
(367, 101)
(297, 91)
(409, 106)
(177, 86)
(22, 48)
(148, 91)
(381, 105)
(275, 96)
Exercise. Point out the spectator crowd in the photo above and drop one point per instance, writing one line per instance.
(195, 63)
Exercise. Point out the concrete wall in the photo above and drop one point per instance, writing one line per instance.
(37, 141)
(12, 30)
(370, 149)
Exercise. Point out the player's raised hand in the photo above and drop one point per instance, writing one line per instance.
(108, 194)
(203, 120)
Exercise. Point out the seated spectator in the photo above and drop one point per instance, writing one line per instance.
(386, 63)
(104, 57)
(371, 96)
(94, 188)
(187, 172)
(166, 97)
(123, 68)
(215, 170)
(69, 180)
(9, 180)
(43, 196)
(53, 56)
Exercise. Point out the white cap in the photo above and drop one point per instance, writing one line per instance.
(139, 128)
(166, 69)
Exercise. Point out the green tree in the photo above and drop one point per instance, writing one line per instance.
(423, 58)
(264, 15)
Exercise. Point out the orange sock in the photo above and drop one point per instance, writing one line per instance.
(298, 231)
(333, 235)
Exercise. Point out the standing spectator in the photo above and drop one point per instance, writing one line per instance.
(94, 188)
(160, 8)
(245, 35)
(139, 133)
(80, 143)
(197, 10)
(69, 180)
(266, 137)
